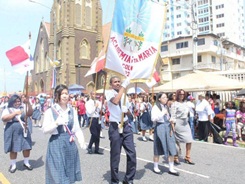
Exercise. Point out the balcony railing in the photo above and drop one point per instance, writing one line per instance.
(209, 66)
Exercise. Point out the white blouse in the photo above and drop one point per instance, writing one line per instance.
(157, 115)
(50, 126)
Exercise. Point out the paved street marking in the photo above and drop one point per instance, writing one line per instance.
(3, 180)
(220, 145)
(166, 165)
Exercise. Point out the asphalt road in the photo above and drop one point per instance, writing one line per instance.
(215, 164)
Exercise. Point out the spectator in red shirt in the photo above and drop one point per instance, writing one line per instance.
(209, 98)
(81, 110)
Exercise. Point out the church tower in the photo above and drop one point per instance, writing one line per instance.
(77, 38)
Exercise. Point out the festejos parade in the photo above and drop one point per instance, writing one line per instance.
(122, 91)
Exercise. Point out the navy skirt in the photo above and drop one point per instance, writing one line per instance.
(62, 160)
(164, 144)
(145, 121)
(36, 115)
(14, 140)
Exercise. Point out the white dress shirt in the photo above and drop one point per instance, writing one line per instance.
(115, 110)
(203, 109)
(91, 109)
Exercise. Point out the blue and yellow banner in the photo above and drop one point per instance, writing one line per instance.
(135, 38)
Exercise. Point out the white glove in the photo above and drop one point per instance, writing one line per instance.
(81, 140)
(61, 120)
(125, 83)
(124, 109)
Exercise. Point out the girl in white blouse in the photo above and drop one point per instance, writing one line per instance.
(62, 158)
(164, 139)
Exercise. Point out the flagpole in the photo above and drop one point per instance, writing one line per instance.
(120, 126)
(103, 95)
(26, 90)
(135, 90)
(4, 79)
(152, 95)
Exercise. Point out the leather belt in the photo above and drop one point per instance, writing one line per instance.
(125, 122)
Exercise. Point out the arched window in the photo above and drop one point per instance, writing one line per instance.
(37, 63)
(59, 51)
(59, 15)
(78, 14)
(41, 55)
(88, 13)
(84, 50)
(42, 85)
(45, 62)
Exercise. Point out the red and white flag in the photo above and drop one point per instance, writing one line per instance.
(97, 65)
(20, 58)
(154, 80)
(24, 66)
(19, 54)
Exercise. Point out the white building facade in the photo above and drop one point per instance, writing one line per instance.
(177, 57)
(224, 18)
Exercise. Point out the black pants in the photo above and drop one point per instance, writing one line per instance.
(203, 130)
(95, 133)
(116, 142)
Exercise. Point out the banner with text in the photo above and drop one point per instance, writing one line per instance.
(135, 38)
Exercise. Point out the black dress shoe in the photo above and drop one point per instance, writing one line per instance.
(177, 162)
(90, 151)
(128, 182)
(11, 170)
(173, 173)
(28, 167)
(99, 153)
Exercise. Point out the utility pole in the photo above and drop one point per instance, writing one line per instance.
(194, 27)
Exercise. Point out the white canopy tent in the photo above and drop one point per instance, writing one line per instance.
(201, 81)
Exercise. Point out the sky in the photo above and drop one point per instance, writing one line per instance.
(18, 18)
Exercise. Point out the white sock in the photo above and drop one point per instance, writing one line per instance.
(171, 167)
(26, 161)
(156, 166)
(13, 163)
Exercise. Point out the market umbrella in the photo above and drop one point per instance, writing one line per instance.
(241, 92)
(134, 90)
(75, 89)
(41, 94)
(200, 81)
